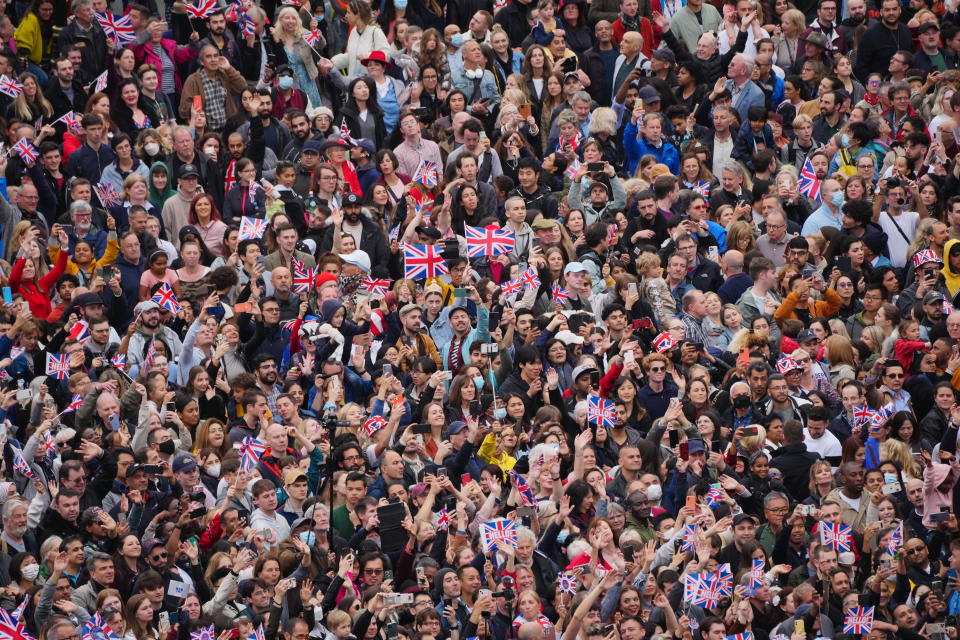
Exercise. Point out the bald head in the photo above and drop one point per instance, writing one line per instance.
(281, 278)
(732, 261)
(530, 631)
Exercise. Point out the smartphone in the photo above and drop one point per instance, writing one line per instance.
(844, 264)
(442, 472)
(525, 111)
(164, 619)
(261, 259)
(242, 307)
(483, 593)
(632, 288)
(595, 379)
(216, 312)
(421, 576)
(798, 627)
(890, 488)
(198, 103)
(106, 273)
(526, 512)
(748, 431)
(7, 295)
(691, 502)
(476, 408)
(421, 429)
(199, 512)
(446, 375)
(594, 166)
(460, 292)
(674, 437)
(536, 242)
(114, 422)
(685, 450)
(152, 469)
(388, 369)
(374, 304)
(388, 575)
(67, 229)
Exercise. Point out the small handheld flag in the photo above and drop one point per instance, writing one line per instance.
(165, 297)
(58, 366)
(250, 451)
(251, 228)
(498, 532)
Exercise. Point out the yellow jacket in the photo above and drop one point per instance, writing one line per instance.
(29, 39)
(109, 257)
(950, 277)
(488, 449)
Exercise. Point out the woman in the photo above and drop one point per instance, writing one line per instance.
(126, 164)
(821, 482)
(551, 99)
(34, 37)
(505, 60)
(135, 192)
(240, 200)
(574, 224)
(930, 197)
(288, 34)
(191, 272)
(366, 36)
(99, 103)
(363, 115)
(693, 173)
(150, 147)
(211, 434)
(625, 389)
(210, 404)
(203, 215)
(573, 20)
(428, 94)
(128, 562)
(691, 84)
(124, 66)
(843, 69)
(603, 547)
(387, 164)
(536, 70)
(31, 105)
(799, 305)
(740, 237)
(132, 113)
(36, 290)
(847, 290)
(166, 57)
(156, 273)
(433, 54)
(732, 323)
(855, 189)
(84, 263)
(795, 95)
(839, 354)
(787, 38)
(463, 391)
(139, 618)
(697, 402)
(811, 73)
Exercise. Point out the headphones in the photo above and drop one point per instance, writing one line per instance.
(473, 74)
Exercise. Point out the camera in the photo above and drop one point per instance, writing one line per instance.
(330, 422)
(506, 593)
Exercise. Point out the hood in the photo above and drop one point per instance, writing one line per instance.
(329, 308)
(951, 278)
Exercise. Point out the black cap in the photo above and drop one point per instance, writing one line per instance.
(431, 232)
(351, 200)
(87, 298)
(928, 26)
(188, 170)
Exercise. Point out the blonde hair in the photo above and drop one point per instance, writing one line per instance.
(647, 261)
(603, 120)
(129, 182)
(900, 453)
(298, 24)
(796, 18)
(752, 444)
(839, 350)
(740, 229)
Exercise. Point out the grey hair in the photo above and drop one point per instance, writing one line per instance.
(57, 622)
(732, 165)
(582, 96)
(526, 533)
(603, 120)
(76, 4)
(96, 557)
(568, 116)
(11, 504)
(774, 495)
(78, 206)
(748, 63)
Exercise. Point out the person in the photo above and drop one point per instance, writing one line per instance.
(214, 83)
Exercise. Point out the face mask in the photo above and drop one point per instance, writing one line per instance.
(152, 148)
(478, 381)
(399, 4)
(499, 414)
(309, 537)
(844, 141)
(654, 492)
(457, 40)
(167, 447)
(30, 571)
(214, 470)
(741, 402)
(285, 82)
(837, 198)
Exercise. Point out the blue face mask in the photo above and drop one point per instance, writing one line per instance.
(309, 537)
(457, 40)
(400, 4)
(478, 380)
(499, 414)
(285, 82)
(837, 198)
(844, 141)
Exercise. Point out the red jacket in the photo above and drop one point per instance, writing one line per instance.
(651, 38)
(37, 293)
(145, 55)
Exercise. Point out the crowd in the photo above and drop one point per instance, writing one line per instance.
(456, 319)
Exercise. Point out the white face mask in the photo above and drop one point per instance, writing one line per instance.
(30, 571)
(654, 492)
(213, 470)
(152, 148)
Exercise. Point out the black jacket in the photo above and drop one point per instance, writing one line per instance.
(794, 461)
(541, 199)
(372, 241)
(61, 103)
(93, 49)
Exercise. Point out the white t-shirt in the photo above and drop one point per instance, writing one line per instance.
(896, 243)
(827, 445)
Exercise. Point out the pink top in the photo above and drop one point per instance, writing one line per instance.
(148, 280)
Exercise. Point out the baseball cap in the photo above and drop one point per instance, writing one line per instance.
(188, 170)
(696, 446)
(649, 94)
(351, 200)
(149, 545)
(184, 464)
(568, 337)
(311, 146)
(740, 517)
(933, 297)
(571, 75)
(806, 336)
(291, 476)
(582, 369)
(665, 55)
(456, 427)
(357, 258)
(928, 26)
(574, 267)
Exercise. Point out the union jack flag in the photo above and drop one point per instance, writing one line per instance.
(423, 261)
(80, 332)
(203, 10)
(567, 583)
(921, 258)
(725, 579)
(15, 352)
(858, 620)
(100, 83)
(498, 532)
(203, 633)
(49, 446)
(601, 412)
(69, 119)
(251, 228)
(526, 493)
(709, 592)
(108, 194)
(489, 241)
(664, 342)
(25, 149)
(303, 279)
(257, 633)
(861, 415)
(702, 187)
(530, 278)
(250, 451)
(247, 26)
(835, 536)
(713, 497)
(511, 287)
(756, 573)
(572, 169)
(17, 613)
(20, 466)
(96, 628)
(574, 142)
(808, 183)
(746, 635)
(376, 286)
(166, 298)
(75, 403)
(689, 538)
(344, 129)
(234, 11)
(374, 424)
(443, 520)
(118, 27)
(313, 38)
(559, 294)
(423, 209)
(691, 587)
(895, 541)
(11, 629)
(10, 87)
(58, 366)
(426, 173)
(151, 355)
(119, 360)
(947, 307)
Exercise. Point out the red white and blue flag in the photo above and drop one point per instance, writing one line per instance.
(567, 583)
(421, 261)
(257, 634)
(572, 169)
(511, 287)
(344, 128)
(374, 424)
(498, 532)
(100, 83)
(203, 10)
(69, 119)
(426, 173)
(523, 489)
(443, 520)
(251, 228)
(861, 415)
(858, 620)
(119, 360)
(10, 87)
(75, 403)
(559, 294)
(756, 574)
(663, 342)
(80, 332)
(713, 497)
(895, 542)
(11, 629)
(166, 298)
(601, 412)
(247, 25)
(702, 187)
(58, 366)
(96, 628)
(689, 542)
(20, 466)
(108, 194)
(303, 278)
(117, 27)
(203, 633)
(725, 579)
(808, 183)
(746, 635)
(530, 278)
(836, 536)
(376, 286)
(312, 38)
(489, 241)
(25, 149)
(250, 451)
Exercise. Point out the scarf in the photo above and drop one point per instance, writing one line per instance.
(630, 24)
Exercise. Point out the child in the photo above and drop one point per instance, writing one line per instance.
(755, 135)
(906, 347)
(338, 625)
(653, 288)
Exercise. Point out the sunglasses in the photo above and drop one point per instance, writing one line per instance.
(895, 375)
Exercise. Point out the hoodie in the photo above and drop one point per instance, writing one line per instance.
(951, 278)
(176, 210)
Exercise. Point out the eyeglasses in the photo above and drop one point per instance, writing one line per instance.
(803, 361)
(844, 284)
(351, 458)
(159, 556)
(655, 369)
(895, 376)
(372, 572)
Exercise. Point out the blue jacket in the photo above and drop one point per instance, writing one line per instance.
(636, 147)
(744, 148)
(480, 332)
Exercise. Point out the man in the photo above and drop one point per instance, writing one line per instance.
(217, 82)
(762, 297)
(476, 82)
(367, 235)
(649, 226)
(254, 418)
(630, 58)
(830, 119)
(130, 265)
(221, 38)
(476, 143)
(773, 244)
(897, 223)
(744, 530)
(148, 329)
(599, 63)
(817, 438)
(694, 311)
(287, 249)
(17, 536)
(880, 43)
(415, 150)
(176, 208)
(62, 517)
(900, 63)
(84, 32)
(64, 90)
(826, 23)
(744, 91)
(873, 298)
(468, 169)
(535, 195)
(856, 503)
(265, 371)
(391, 470)
(657, 393)
(650, 139)
(102, 573)
(454, 350)
(185, 153)
(94, 154)
(794, 461)
(299, 135)
(781, 403)
(694, 20)
(417, 342)
(341, 518)
(828, 215)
